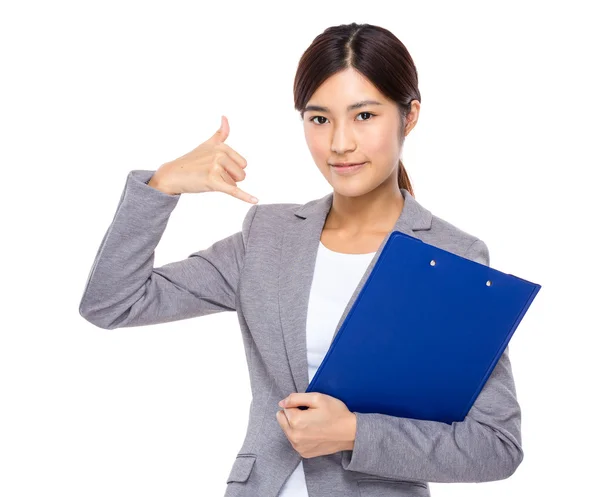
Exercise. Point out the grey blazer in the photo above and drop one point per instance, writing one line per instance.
(264, 273)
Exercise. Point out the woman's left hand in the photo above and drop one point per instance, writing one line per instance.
(327, 426)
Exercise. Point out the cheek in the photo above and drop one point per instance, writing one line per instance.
(320, 149)
(379, 143)
(318, 146)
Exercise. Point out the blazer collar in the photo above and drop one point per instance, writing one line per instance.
(298, 258)
(413, 216)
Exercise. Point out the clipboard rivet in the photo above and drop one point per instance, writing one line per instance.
(488, 283)
(432, 262)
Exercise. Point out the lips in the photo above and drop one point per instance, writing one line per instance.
(347, 164)
(348, 170)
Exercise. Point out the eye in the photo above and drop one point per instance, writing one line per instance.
(323, 117)
(371, 114)
(311, 119)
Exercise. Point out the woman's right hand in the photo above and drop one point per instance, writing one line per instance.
(212, 166)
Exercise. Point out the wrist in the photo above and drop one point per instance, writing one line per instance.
(351, 432)
(155, 183)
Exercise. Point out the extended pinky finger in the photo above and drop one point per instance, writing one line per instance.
(239, 193)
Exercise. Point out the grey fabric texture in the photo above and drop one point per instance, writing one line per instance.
(263, 273)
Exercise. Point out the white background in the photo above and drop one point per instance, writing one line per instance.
(505, 148)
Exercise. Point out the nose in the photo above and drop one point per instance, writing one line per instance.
(342, 140)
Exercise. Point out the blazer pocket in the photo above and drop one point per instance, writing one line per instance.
(242, 467)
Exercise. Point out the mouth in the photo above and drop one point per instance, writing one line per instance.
(347, 167)
(347, 164)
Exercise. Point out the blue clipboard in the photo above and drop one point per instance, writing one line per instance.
(424, 334)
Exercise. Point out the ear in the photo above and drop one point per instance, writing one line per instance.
(412, 117)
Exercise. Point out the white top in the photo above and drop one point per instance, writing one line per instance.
(335, 278)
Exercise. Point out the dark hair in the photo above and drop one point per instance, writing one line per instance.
(371, 50)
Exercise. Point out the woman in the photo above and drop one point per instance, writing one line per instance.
(292, 273)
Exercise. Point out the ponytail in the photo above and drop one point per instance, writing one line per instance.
(403, 180)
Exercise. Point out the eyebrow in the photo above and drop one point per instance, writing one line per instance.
(357, 105)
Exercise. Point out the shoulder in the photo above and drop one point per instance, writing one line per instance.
(443, 233)
(453, 238)
(264, 222)
(271, 214)
(268, 221)
(448, 233)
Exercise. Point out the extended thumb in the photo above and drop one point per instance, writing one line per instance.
(223, 132)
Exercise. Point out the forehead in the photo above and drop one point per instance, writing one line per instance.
(343, 90)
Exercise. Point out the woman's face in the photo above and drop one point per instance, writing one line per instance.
(369, 133)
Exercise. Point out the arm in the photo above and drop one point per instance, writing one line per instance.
(485, 446)
(124, 289)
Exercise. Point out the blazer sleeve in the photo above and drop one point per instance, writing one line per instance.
(123, 288)
(485, 446)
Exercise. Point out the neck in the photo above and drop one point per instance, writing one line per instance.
(375, 211)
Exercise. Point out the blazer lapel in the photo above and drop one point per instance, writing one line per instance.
(298, 258)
